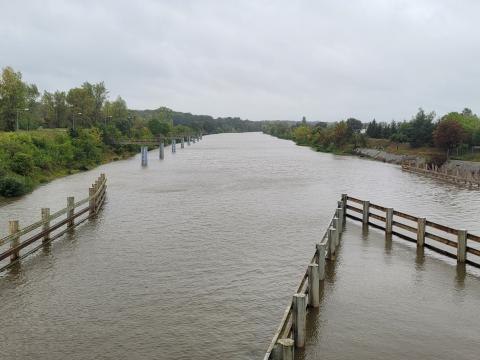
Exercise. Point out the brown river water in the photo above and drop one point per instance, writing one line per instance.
(197, 256)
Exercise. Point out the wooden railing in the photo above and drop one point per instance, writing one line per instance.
(455, 243)
(292, 328)
(457, 177)
(43, 229)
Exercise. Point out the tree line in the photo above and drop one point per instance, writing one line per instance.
(455, 130)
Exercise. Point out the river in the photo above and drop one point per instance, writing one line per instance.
(195, 256)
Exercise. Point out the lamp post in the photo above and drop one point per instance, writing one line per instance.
(18, 110)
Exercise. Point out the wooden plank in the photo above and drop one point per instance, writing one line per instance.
(441, 239)
(378, 207)
(442, 228)
(473, 237)
(473, 251)
(405, 216)
(378, 217)
(358, 201)
(404, 226)
(349, 207)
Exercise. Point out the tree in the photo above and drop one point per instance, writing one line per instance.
(15, 96)
(420, 129)
(448, 134)
(354, 125)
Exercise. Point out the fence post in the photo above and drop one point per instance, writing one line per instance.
(340, 215)
(70, 211)
(366, 212)
(299, 319)
(162, 150)
(313, 286)
(421, 224)
(46, 224)
(331, 241)
(389, 221)
(321, 261)
(462, 246)
(336, 226)
(284, 349)
(14, 228)
(91, 202)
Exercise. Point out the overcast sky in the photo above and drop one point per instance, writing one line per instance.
(325, 60)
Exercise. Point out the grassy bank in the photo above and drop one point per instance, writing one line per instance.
(28, 159)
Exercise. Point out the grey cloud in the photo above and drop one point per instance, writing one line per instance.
(256, 59)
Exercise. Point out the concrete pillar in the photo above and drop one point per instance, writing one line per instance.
(299, 319)
(46, 223)
(462, 246)
(321, 249)
(188, 140)
(174, 145)
(144, 155)
(285, 349)
(389, 221)
(331, 242)
(71, 210)
(162, 150)
(14, 227)
(421, 224)
(183, 142)
(366, 212)
(193, 139)
(313, 286)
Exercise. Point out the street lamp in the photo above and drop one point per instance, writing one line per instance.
(18, 110)
(73, 120)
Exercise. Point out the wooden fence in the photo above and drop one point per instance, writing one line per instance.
(74, 210)
(454, 243)
(458, 176)
(292, 329)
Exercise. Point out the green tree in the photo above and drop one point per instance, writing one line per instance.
(420, 129)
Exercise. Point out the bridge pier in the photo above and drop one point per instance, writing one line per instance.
(144, 155)
(183, 142)
(174, 146)
(162, 150)
(188, 140)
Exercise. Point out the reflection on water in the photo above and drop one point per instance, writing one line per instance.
(198, 255)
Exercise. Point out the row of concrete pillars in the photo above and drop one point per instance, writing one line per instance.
(190, 139)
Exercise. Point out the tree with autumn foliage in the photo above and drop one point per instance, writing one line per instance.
(448, 134)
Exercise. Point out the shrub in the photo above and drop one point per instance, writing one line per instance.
(22, 164)
(13, 186)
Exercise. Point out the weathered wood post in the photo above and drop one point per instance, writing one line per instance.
(336, 222)
(389, 221)
(462, 246)
(331, 242)
(299, 319)
(144, 150)
(321, 249)
(421, 224)
(70, 211)
(285, 349)
(46, 224)
(340, 216)
(366, 212)
(14, 227)
(162, 150)
(313, 286)
(91, 202)
(183, 143)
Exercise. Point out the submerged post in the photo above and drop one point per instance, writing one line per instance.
(299, 319)
(340, 216)
(344, 201)
(13, 227)
(144, 150)
(313, 286)
(46, 224)
(331, 242)
(162, 150)
(321, 248)
(70, 211)
(91, 201)
(462, 246)
(389, 221)
(366, 212)
(421, 224)
(285, 349)
(336, 222)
